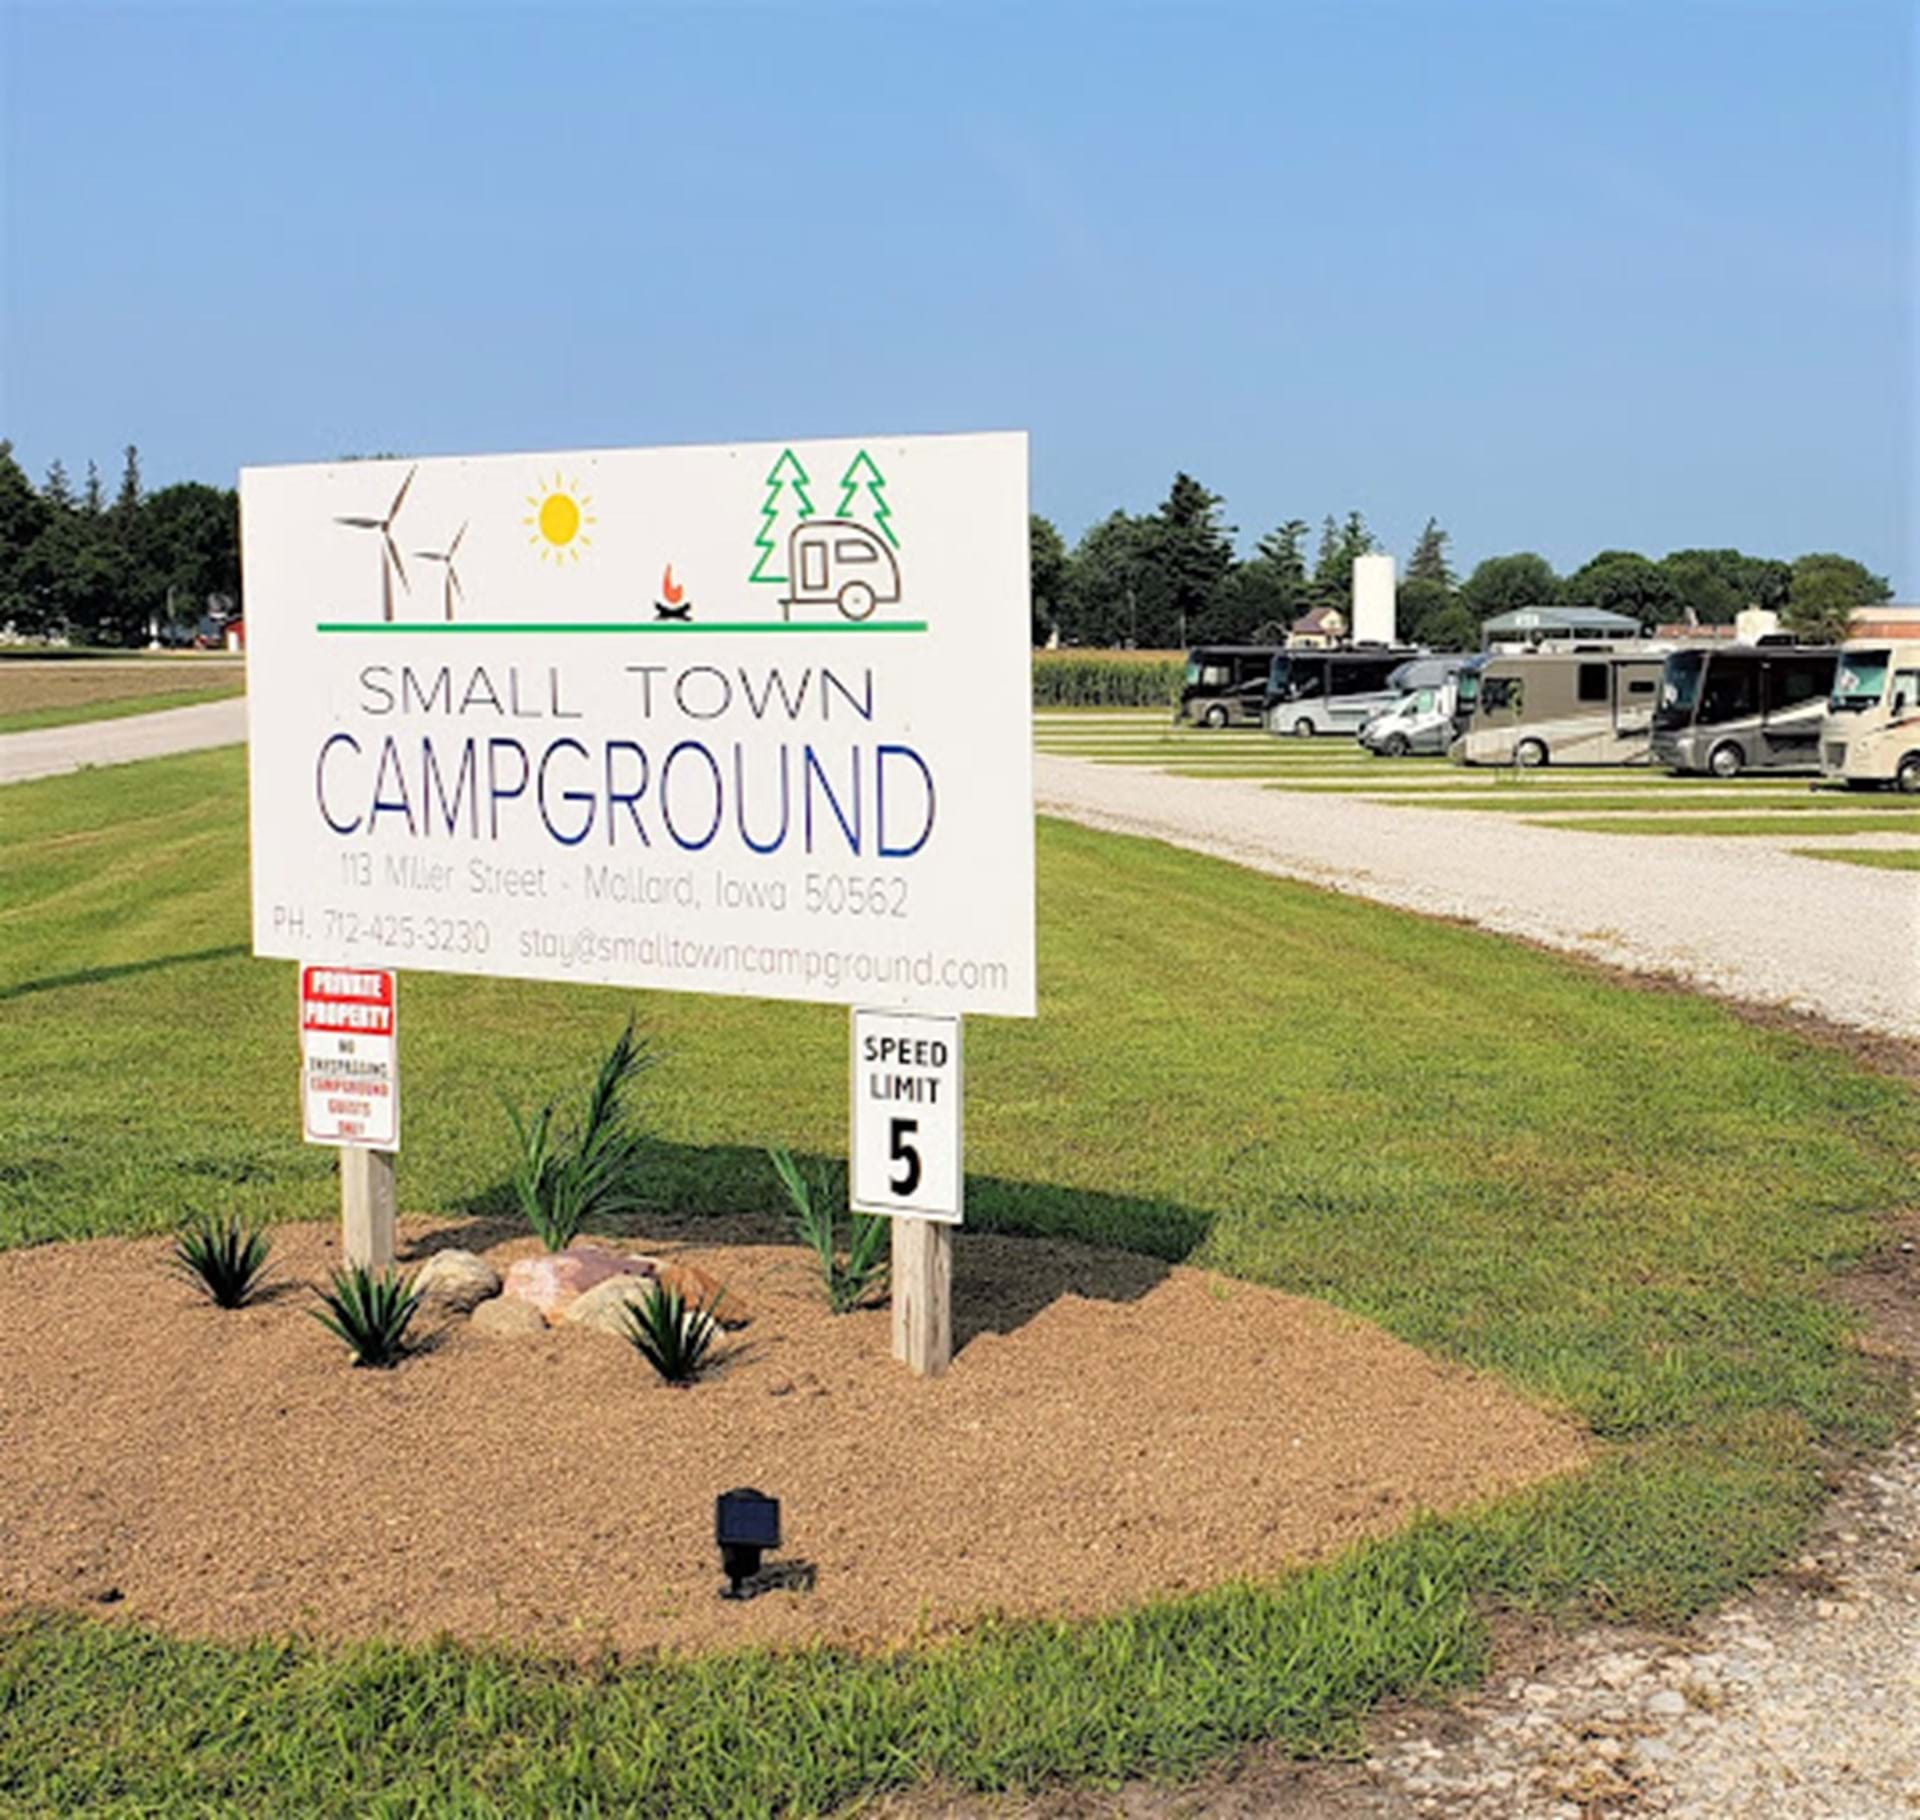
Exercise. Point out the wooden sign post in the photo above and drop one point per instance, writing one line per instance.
(923, 1296)
(366, 1208)
(906, 1152)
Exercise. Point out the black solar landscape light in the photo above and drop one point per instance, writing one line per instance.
(745, 1521)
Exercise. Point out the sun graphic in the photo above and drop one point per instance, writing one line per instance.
(559, 519)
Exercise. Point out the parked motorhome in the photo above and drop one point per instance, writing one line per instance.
(1871, 733)
(1735, 708)
(1420, 720)
(1592, 707)
(1226, 684)
(1466, 691)
(1311, 692)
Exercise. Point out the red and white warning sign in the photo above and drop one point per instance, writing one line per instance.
(349, 1070)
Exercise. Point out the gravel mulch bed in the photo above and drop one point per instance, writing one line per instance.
(1111, 1430)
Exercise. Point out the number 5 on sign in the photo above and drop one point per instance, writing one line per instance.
(906, 1115)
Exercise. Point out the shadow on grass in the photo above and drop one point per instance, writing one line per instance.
(1106, 1247)
(94, 976)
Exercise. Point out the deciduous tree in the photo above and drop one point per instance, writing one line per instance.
(1501, 583)
(1622, 581)
(1047, 575)
(1825, 592)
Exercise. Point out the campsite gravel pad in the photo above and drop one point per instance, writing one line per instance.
(1111, 1430)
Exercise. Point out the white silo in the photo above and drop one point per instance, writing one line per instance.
(1373, 614)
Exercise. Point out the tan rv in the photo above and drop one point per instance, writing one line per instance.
(1871, 734)
(1591, 707)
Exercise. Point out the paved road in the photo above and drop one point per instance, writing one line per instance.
(1745, 917)
(49, 751)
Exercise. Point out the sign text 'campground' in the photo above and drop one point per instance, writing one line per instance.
(744, 720)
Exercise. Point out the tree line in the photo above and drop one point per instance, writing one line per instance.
(1171, 578)
(103, 570)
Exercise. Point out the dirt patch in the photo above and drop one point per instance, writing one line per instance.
(1114, 1430)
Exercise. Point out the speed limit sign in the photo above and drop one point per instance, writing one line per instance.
(906, 1115)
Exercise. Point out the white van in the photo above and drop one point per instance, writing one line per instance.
(1420, 721)
(1871, 733)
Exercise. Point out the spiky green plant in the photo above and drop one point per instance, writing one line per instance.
(370, 1313)
(674, 1335)
(224, 1255)
(848, 1278)
(567, 1180)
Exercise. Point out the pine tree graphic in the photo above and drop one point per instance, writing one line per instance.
(770, 564)
(861, 471)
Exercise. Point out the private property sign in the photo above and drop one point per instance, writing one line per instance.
(749, 719)
(349, 1073)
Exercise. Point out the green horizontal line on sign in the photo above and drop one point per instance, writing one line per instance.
(772, 625)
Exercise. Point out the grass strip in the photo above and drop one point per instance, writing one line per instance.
(1787, 803)
(1884, 859)
(70, 714)
(1705, 826)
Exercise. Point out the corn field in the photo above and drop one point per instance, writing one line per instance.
(1107, 679)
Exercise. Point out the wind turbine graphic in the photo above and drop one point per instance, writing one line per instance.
(390, 564)
(453, 590)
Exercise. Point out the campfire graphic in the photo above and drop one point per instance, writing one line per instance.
(673, 602)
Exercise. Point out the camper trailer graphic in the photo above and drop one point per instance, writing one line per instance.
(839, 562)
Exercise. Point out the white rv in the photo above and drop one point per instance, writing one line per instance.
(1871, 734)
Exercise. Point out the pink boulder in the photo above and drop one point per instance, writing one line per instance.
(552, 1282)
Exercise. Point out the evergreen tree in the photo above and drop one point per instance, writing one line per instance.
(1429, 559)
(1282, 548)
(58, 490)
(1185, 557)
(1326, 562)
(93, 500)
(1270, 590)
(1340, 543)
(126, 503)
(23, 516)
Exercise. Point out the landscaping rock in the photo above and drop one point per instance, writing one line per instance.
(499, 1315)
(602, 1309)
(460, 1280)
(550, 1282)
(693, 1284)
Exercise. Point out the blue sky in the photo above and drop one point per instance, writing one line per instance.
(1566, 276)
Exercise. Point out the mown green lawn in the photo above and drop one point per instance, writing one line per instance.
(1629, 1204)
(1895, 859)
(77, 713)
(1774, 802)
(1853, 818)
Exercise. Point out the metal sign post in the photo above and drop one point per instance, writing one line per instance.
(907, 1164)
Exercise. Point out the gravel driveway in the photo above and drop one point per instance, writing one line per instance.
(1744, 917)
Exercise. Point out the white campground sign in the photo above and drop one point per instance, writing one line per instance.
(750, 720)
